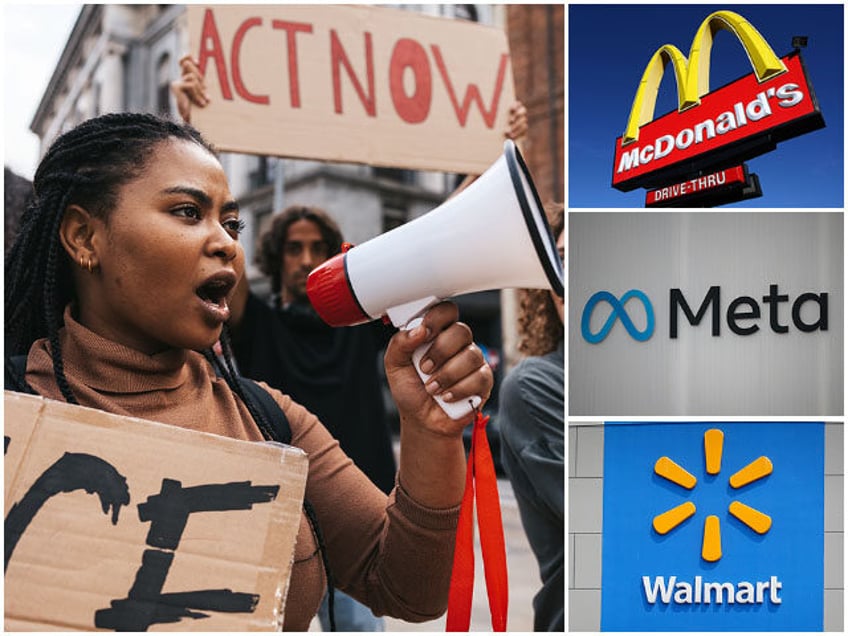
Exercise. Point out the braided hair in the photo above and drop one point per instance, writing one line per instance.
(86, 166)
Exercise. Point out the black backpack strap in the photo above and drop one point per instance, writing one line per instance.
(269, 407)
(14, 376)
(275, 415)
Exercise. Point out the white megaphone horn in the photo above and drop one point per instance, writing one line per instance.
(402, 273)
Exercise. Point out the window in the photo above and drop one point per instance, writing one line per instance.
(395, 174)
(393, 216)
(263, 173)
(98, 89)
(466, 12)
(163, 84)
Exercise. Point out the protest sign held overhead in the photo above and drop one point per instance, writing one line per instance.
(352, 84)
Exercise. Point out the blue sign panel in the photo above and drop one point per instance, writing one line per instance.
(713, 526)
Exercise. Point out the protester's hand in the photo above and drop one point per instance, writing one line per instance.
(190, 89)
(458, 371)
(517, 125)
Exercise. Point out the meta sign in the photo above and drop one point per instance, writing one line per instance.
(706, 314)
(713, 526)
(742, 314)
(743, 119)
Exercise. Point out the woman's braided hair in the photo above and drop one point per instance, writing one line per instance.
(539, 327)
(86, 166)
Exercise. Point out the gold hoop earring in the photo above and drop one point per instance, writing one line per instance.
(89, 266)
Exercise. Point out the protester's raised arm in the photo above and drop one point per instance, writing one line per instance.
(517, 125)
(190, 89)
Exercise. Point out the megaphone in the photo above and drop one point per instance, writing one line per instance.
(492, 235)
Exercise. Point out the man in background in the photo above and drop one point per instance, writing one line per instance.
(333, 372)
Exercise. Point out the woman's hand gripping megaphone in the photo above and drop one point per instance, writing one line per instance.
(409, 316)
(433, 361)
(402, 272)
(331, 294)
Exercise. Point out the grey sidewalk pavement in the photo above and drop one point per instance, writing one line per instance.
(523, 576)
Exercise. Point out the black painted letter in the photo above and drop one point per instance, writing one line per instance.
(168, 513)
(73, 471)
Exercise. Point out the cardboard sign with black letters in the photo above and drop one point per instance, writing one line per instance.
(357, 84)
(123, 524)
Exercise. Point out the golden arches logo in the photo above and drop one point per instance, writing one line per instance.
(693, 74)
(713, 447)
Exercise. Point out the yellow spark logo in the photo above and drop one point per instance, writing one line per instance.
(754, 519)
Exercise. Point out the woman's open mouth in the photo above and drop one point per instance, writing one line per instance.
(213, 294)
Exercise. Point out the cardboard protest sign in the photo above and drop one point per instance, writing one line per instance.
(123, 524)
(357, 84)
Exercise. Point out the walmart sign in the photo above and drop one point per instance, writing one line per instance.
(713, 527)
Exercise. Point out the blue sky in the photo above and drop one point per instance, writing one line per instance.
(608, 48)
(34, 36)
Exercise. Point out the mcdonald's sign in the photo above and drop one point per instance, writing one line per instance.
(710, 130)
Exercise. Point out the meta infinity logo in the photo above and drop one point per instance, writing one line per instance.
(741, 315)
(619, 312)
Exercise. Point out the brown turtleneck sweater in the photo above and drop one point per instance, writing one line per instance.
(388, 552)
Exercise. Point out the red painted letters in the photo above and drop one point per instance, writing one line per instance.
(291, 29)
(472, 93)
(210, 46)
(338, 54)
(410, 54)
(236, 52)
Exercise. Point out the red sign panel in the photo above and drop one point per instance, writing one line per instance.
(732, 116)
(722, 179)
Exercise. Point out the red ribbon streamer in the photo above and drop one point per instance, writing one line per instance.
(480, 472)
